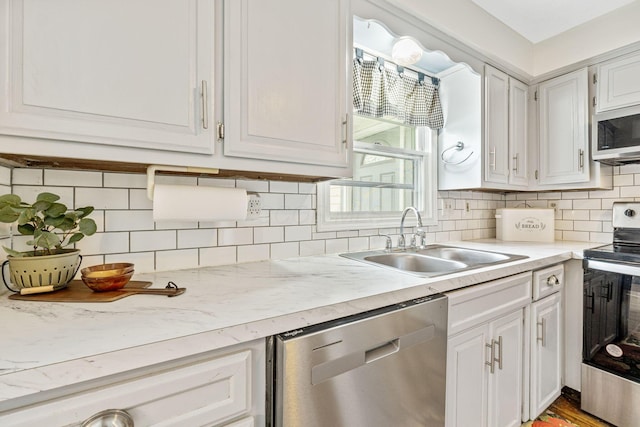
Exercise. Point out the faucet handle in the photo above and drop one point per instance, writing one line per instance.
(422, 234)
(388, 243)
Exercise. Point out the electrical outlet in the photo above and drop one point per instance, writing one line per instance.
(253, 206)
(466, 209)
(447, 208)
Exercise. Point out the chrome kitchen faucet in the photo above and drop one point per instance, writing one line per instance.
(420, 232)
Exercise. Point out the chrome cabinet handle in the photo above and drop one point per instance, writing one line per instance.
(499, 359)
(543, 335)
(552, 280)
(493, 156)
(205, 105)
(110, 417)
(345, 126)
(515, 163)
(581, 159)
(493, 359)
(492, 356)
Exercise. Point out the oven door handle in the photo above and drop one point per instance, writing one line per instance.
(613, 267)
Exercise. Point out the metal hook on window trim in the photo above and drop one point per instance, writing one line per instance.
(458, 147)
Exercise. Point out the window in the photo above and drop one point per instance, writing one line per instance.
(393, 167)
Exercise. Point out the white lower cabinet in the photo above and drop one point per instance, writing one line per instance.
(222, 388)
(485, 353)
(546, 340)
(546, 364)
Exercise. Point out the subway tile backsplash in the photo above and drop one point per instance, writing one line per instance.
(287, 225)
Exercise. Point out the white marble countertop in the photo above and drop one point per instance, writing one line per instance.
(45, 346)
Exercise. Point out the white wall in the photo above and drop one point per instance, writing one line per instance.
(473, 26)
(611, 31)
(465, 21)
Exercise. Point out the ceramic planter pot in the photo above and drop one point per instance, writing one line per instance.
(42, 270)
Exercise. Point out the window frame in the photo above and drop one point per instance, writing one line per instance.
(426, 144)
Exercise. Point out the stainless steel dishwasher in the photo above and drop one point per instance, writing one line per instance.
(381, 368)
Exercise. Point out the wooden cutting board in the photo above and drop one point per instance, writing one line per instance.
(77, 291)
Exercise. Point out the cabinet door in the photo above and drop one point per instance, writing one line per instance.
(546, 358)
(105, 73)
(618, 84)
(466, 402)
(497, 126)
(506, 382)
(518, 133)
(564, 148)
(286, 80)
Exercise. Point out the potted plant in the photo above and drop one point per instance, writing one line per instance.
(53, 227)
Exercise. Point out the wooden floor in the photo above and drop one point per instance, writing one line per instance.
(567, 406)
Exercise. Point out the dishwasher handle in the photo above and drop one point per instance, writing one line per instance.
(381, 351)
(334, 367)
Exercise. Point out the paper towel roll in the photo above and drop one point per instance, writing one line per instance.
(198, 203)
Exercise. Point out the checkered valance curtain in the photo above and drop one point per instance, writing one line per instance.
(379, 90)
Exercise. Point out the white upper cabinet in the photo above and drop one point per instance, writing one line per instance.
(131, 73)
(287, 95)
(505, 130)
(563, 127)
(618, 84)
(518, 133)
(496, 126)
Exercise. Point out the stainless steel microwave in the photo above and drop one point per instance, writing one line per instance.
(616, 136)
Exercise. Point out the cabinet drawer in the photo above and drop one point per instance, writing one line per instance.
(547, 281)
(204, 392)
(477, 304)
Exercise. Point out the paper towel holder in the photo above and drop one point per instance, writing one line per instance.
(152, 169)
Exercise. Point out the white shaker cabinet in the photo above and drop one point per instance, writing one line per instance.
(287, 95)
(546, 363)
(130, 73)
(505, 130)
(485, 353)
(496, 126)
(546, 339)
(563, 155)
(617, 83)
(222, 388)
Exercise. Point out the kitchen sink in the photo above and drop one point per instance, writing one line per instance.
(467, 256)
(433, 260)
(416, 262)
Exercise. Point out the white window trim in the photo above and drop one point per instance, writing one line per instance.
(427, 199)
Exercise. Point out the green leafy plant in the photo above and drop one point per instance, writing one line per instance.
(51, 224)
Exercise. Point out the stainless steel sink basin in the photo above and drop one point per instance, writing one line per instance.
(433, 260)
(416, 262)
(468, 256)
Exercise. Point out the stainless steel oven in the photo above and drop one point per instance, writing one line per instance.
(611, 323)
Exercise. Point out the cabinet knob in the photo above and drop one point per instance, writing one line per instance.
(111, 418)
(552, 280)
(629, 213)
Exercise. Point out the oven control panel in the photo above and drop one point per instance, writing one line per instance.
(626, 215)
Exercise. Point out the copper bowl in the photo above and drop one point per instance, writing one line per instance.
(107, 277)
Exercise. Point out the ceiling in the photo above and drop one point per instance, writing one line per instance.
(538, 20)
